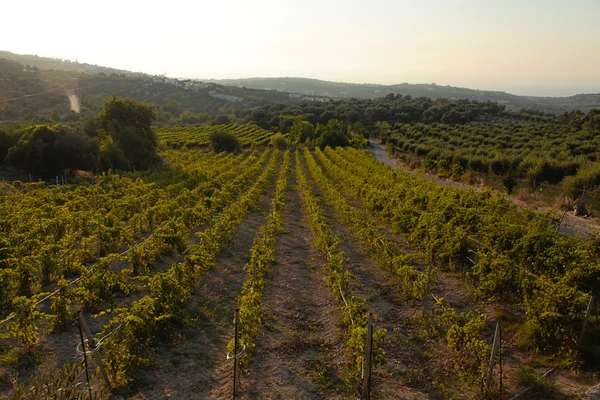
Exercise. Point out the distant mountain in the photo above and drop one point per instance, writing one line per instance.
(315, 87)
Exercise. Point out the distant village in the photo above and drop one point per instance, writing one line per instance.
(187, 84)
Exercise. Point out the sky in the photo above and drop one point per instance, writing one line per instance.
(518, 46)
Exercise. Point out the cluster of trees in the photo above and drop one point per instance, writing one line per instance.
(391, 108)
(539, 152)
(121, 136)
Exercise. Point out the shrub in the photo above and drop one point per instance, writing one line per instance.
(279, 142)
(224, 141)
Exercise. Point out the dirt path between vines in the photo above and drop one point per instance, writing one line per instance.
(300, 355)
(571, 225)
(195, 367)
(381, 297)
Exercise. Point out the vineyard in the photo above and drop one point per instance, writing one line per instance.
(199, 135)
(304, 247)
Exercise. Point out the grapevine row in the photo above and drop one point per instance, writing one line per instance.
(354, 309)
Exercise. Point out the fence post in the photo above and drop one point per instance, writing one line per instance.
(85, 362)
(93, 348)
(501, 350)
(587, 316)
(488, 381)
(367, 361)
(235, 353)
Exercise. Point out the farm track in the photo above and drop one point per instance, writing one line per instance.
(196, 367)
(299, 355)
(571, 225)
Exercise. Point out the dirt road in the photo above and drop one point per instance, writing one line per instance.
(571, 225)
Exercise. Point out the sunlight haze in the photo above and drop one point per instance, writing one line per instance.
(522, 47)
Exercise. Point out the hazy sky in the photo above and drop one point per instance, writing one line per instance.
(520, 46)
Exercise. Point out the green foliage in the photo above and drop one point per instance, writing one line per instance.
(127, 133)
(333, 134)
(61, 306)
(24, 329)
(55, 115)
(8, 138)
(301, 131)
(224, 141)
(262, 257)
(546, 151)
(509, 255)
(555, 313)
(279, 142)
(586, 179)
(526, 377)
(47, 151)
(60, 384)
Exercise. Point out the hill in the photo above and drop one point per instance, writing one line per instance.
(60, 64)
(30, 92)
(306, 86)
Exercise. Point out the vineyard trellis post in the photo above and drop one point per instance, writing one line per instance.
(495, 346)
(588, 311)
(85, 361)
(367, 361)
(500, 361)
(235, 353)
(93, 348)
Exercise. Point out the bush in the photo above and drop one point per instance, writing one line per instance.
(585, 179)
(47, 151)
(279, 142)
(224, 141)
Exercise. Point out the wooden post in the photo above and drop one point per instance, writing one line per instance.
(85, 362)
(587, 317)
(235, 353)
(93, 348)
(488, 381)
(367, 361)
(501, 350)
(560, 222)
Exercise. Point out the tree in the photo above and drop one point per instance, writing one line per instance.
(333, 134)
(55, 115)
(47, 151)
(222, 119)
(224, 141)
(127, 124)
(300, 131)
(7, 140)
(279, 142)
